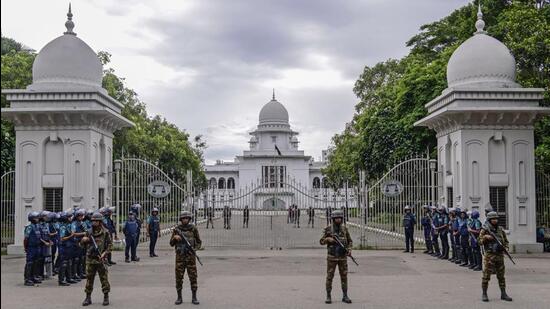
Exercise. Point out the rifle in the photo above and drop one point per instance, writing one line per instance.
(347, 250)
(187, 244)
(96, 248)
(500, 244)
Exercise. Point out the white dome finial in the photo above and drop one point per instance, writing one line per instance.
(273, 98)
(480, 24)
(69, 23)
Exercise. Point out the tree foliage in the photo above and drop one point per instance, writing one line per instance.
(392, 93)
(153, 138)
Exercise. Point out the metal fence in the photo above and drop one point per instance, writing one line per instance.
(542, 192)
(7, 208)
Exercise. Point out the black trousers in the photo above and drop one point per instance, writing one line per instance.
(153, 242)
(409, 239)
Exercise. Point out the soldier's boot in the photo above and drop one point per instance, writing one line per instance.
(504, 296)
(105, 299)
(88, 300)
(194, 299)
(345, 297)
(28, 275)
(178, 300)
(484, 296)
(329, 299)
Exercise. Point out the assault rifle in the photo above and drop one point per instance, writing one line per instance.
(187, 244)
(96, 248)
(347, 250)
(500, 244)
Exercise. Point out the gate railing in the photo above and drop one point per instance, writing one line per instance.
(542, 192)
(7, 208)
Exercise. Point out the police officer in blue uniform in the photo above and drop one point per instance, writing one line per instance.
(425, 221)
(441, 222)
(455, 235)
(32, 243)
(131, 233)
(55, 247)
(78, 230)
(65, 248)
(109, 224)
(153, 230)
(48, 234)
(409, 221)
(464, 237)
(435, 232)
(474, 227)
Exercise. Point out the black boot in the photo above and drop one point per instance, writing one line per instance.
(329, 299)
(88, 300)
(35, 272)
(179, 300)
(484, 296)
(106, 299)
(194, 299)
(504, 296)
(61, 280)
(345, 297)
(28, 275)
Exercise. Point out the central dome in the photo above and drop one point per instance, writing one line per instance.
(482, 61)
(66, 62)
(274, 113)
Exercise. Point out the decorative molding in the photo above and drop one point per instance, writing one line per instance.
(475, 199)
(522, 199)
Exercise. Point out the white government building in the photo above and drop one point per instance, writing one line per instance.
(263, 164)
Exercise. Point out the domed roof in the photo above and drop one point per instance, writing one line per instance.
(67, 61)
(482, 61)
(273, 113)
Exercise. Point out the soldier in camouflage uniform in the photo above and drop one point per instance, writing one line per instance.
(96, 258)
(493, 260)
(184, 257)
(336, 255)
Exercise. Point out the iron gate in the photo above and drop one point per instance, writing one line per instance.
(7, 208)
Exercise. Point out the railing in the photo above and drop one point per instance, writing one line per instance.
(7, 208)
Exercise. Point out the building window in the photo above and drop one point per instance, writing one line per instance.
(212, 183)
(270, 174)
(101, 200)
(230, 183)
(497, 198)
(449, 197)
(316, 183)
(53, 199)
(221, 183)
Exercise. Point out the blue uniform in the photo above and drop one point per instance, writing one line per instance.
(409, 221)
(131, 233)
(475, 224)
(427, 227)
(455, 239)
(441, 221)
(153, 226)
(464, 240)
(79, 253)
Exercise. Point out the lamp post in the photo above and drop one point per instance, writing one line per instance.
(433, 168)
(117, 166)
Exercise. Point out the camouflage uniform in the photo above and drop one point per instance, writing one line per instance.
(336, 255)
(93, 264)
(184, 259)
(493, 260)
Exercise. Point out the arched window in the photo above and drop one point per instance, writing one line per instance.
(316, 183)
(221, 183)
(325, 183)
(230, 183)
(212, 183)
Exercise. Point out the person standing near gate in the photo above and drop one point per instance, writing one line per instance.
(328, 214)
(210, 217)
(185, 258)
(32, 243)
(131, 232)
(336, 254)
(456, 256)
(297, 213)
(443, 228)
(246, 216)
(97, 244)
(109, 224)
(474, 227)
(434, 216)
(226, 217)
(79, 230)
(153, 230)
(409, 221)
(427, 228)
(493, 261)
(311, 216)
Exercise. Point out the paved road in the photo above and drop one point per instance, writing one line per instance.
(289, 279)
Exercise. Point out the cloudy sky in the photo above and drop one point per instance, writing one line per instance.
(209, 66)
